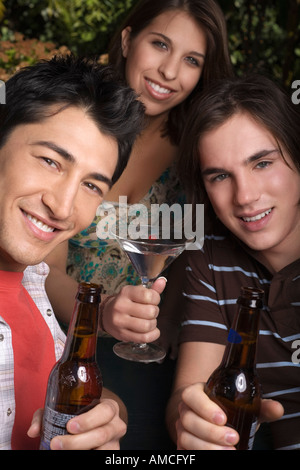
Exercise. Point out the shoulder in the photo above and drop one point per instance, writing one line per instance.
(214, 276)
(34, 282)
(218, 247)
(35, 275)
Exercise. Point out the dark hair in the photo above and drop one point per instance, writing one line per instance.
(69, 81)
(210, 18)
(256, 95)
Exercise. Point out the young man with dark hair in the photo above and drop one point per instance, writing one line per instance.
(241, 157)
(66, 133)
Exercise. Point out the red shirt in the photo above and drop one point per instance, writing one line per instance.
(34, 354)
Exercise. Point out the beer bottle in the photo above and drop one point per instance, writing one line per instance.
(75, 382)
(234, 385)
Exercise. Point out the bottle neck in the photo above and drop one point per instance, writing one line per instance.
(82, 333)
(240, 351)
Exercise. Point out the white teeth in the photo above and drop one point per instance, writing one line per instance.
(257, 217)
(159, 89)
(40, 224)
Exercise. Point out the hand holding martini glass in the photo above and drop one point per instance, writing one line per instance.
(150, 255)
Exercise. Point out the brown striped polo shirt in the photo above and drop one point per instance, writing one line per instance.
(214, 277)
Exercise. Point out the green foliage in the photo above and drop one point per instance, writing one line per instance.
(264, 35)
(85, 27)
(17, 51)
(2, 9)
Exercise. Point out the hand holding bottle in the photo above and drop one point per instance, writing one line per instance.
(101, 428)
(202, 423)
(77, 414)
(234, 385)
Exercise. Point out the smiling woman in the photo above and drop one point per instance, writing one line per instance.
(162, 68)
(166, 51)
(201, 38)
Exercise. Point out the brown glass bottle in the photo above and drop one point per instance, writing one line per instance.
(75, 382)
(234, 385)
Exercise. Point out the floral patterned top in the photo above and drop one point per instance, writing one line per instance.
(91, 259)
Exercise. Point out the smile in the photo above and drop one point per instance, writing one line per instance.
(257, 217)
(159, 89)
(39, 224)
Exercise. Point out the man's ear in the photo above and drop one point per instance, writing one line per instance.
(126, 38)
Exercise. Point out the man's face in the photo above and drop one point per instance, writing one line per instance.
(253, 190)
(54, 174)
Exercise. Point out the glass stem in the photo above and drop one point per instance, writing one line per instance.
(147, 284)
(140, 346)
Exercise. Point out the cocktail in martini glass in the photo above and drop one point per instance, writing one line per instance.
(150, 256)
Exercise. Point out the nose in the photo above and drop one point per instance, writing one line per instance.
(169, 68)
(246, 191)
(60, 200)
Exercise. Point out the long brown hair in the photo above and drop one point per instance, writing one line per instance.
(210, 18)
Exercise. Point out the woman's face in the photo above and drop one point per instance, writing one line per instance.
(164, 62)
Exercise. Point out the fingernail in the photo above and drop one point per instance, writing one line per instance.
(163, 277)
(230, 438)
(219, 418)
(73, 426)
(56, 444)
(34, 428)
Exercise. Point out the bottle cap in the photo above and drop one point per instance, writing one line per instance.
(251, 297)
(89, 292)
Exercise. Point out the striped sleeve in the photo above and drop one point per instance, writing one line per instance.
(203, 318)
(214, 277)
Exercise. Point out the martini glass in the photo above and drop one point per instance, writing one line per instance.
(150, 257)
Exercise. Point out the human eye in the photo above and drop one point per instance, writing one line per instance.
(94, 189)
(263, 164)
(193, 61)
(160, 44)
(49, 162)
(219, 178)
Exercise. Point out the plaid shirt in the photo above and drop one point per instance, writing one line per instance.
(34, 282)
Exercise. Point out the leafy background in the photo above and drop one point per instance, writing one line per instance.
(264, 35)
